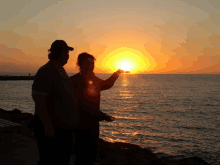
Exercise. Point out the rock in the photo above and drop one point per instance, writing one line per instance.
(16, 118)
(138, 160)
(193, 161)
(167, 161)
(119, 145)
(2, 111)
(178, 157)
(149, 155)
(27, 116)
(25, 119)
(25, 122)
(134, 154)
(16, 111)
(4, 114)
(116, 159)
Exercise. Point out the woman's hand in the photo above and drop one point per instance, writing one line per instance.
(110, 118)
(119, 71)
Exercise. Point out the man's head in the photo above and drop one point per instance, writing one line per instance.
(85, 62)
(59, 51)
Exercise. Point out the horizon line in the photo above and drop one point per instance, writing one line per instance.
(209, 73)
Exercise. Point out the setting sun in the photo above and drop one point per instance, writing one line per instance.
(125, 66)
(127, 59)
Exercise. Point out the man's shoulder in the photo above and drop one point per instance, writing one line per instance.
(42, 83)
(45, 70)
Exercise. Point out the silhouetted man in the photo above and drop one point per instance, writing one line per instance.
(54, 109)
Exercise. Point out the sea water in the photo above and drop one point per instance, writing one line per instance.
(172, 114)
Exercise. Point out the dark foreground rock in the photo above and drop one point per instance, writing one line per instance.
(25, 119)
(117, 153)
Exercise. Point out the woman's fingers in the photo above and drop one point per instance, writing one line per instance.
(119, 71)
(111, 118)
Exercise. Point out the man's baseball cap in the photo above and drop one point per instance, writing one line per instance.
(60, 46)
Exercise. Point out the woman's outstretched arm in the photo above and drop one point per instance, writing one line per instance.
(108, 83)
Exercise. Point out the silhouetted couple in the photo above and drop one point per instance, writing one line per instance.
(64, 105)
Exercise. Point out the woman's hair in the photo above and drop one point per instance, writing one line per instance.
(82, 57)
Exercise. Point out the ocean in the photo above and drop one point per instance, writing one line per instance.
(171, 114)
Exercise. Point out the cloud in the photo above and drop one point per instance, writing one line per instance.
(214, 41)
(6, 51)
(173, 29)
(17, 59)
(18, 62)
(211, 24)
(13, 68)
(214, 3)
(33, 40)
(18, 52)
(185, 48)
(9, 38)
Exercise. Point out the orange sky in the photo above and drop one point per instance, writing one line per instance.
(154, 36)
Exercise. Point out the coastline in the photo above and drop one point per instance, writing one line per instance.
(117, 153)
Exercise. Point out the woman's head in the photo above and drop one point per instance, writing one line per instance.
(85, 62)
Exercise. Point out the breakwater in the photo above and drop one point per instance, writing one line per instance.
(3, 78)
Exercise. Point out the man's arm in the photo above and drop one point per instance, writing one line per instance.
(41, 110)
(41, 88)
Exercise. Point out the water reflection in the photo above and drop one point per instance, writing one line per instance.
(124, 80)
(124, 92)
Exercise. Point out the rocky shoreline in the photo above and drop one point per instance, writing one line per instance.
(117, 153)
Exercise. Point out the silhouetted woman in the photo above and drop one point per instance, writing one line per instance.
(86, 88)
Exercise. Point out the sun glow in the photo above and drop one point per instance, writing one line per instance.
(127, 59)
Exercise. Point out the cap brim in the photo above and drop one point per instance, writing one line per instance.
(70, 48)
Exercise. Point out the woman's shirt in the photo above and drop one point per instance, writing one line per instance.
(86, 90)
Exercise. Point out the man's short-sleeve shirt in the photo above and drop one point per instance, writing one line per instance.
(54, 83)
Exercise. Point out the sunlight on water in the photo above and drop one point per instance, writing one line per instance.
(165, 112)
